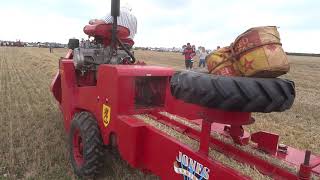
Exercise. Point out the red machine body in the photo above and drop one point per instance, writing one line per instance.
(114, 97)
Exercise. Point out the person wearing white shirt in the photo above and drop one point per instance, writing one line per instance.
(126, 19)
(202, 56)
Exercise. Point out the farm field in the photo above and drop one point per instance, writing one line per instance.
(33, 141)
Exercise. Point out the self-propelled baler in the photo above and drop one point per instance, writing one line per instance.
(107, 99)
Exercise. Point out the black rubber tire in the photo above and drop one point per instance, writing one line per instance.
(73, 43)
(93, 151)
(233, 93)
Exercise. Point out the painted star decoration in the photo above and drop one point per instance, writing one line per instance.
(248, 64)
(271, 47)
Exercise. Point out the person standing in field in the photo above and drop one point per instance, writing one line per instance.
(184, 46)
(50, 48)
(82, 43)
(188, 53)
(193, 55)
(202, 56)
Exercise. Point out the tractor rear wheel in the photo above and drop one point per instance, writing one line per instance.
(233, 93)
(86, 147)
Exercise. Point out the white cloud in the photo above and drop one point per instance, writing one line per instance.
(301, 41)
(30, 26)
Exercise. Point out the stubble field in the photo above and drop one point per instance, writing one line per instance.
(32, 137)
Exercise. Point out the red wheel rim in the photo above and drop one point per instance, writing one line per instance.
(77, 147)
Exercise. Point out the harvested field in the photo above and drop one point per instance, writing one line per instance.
(33, 141)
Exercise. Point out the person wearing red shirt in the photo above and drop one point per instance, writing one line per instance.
(188, 53)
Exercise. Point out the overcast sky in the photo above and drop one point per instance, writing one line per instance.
(167, 23)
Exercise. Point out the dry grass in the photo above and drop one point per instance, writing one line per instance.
(300, 125)
(33, 141)
(31, 127)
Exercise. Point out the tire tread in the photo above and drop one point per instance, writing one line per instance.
(233, 93)
(93, 151)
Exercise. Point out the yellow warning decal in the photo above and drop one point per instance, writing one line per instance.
(106, 110)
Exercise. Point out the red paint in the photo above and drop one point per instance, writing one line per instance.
(205, 138)
(269, 146)
(104, 30)
(248, 65)
(271, 47)
(247, 40)
(147, 148)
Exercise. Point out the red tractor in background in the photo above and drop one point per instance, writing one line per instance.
(100, 90)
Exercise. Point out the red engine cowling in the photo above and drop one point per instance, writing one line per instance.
(104, 31)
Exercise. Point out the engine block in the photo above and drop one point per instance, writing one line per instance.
(90, 58)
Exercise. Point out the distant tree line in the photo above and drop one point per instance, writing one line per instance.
(18, 43)
(303, 54)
